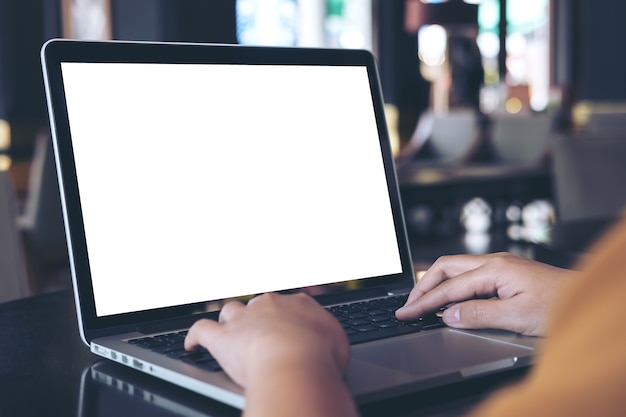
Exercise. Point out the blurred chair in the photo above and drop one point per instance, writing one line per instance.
(13, 278)
(442, 139)
(521, 139)
(588, 175)
(41, 222)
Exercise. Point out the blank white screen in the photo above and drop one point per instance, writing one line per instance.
(202, 182)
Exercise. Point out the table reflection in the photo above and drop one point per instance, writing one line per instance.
(108, 389)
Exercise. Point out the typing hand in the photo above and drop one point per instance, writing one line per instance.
(272, 331)
(499, 291)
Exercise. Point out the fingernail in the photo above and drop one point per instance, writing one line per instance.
(452, 316)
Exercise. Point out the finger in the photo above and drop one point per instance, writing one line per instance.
(230, 310)
(254, 300)
(465, 286)
(201, 333)
(485, 314)
(444, 268)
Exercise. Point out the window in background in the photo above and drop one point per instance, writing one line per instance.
(488, 38)
(527, 47)
(267, 22)
(87, 19)
(527, 54)
(348, 24)
(432, 51)
(313, 23)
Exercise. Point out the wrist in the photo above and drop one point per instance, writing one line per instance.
(301, 386)
(290, 365)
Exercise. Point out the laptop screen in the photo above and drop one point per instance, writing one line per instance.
(206, 181)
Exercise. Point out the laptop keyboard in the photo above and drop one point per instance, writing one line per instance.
(173, 345)
(362, 321)
(375, 319)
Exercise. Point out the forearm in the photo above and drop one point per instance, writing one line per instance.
(299, 389)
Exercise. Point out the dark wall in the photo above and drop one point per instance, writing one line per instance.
(562, 41)
(399, 66)
(24, 27)
(140, 20)
(175, 20)
(205, 21)
(599, 50)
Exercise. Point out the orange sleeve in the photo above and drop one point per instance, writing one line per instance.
(581, 365)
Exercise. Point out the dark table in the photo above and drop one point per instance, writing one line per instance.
(46, 370)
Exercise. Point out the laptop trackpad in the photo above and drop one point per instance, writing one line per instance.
(437, 352)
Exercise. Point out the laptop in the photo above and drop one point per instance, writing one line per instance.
(194, 174)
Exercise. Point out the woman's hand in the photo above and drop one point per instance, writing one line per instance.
(500, 291)
(287, 352)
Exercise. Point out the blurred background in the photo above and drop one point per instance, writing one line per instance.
(506, 116)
